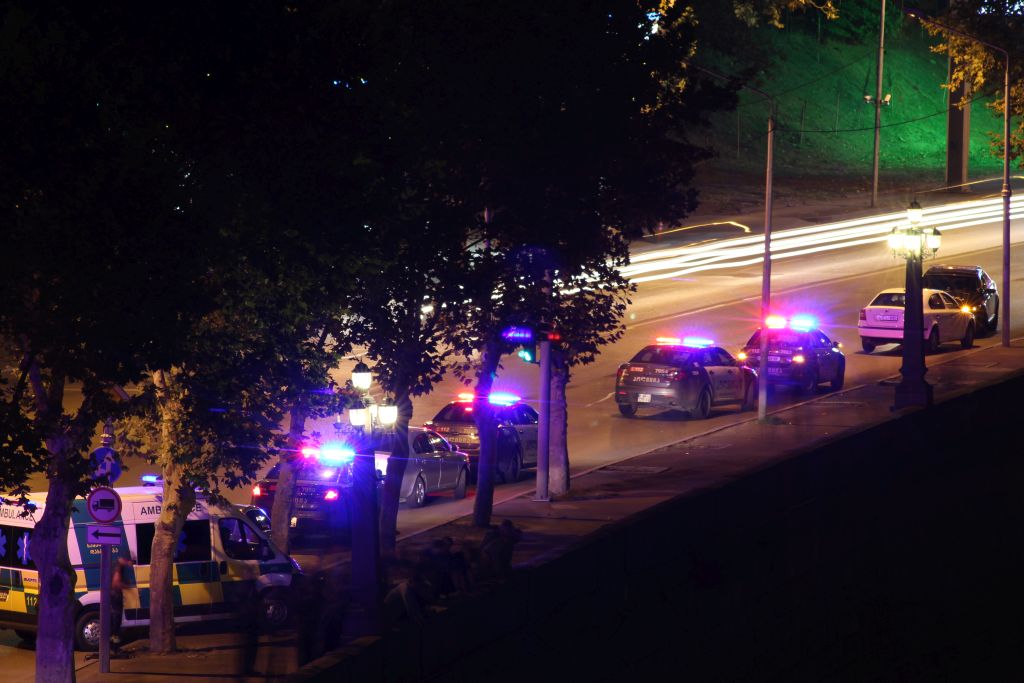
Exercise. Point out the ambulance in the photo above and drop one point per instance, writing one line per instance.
(221, 556)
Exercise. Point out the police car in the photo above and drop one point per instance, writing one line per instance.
(799, 353)
(517, 431)
(220, 555)
(690, 374)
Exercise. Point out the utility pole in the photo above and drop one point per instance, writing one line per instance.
(878, 108)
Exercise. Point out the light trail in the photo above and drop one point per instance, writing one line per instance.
(663, 264)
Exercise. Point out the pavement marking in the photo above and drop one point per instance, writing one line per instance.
(600, 400)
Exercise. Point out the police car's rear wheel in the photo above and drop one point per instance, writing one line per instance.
(627, 409)
(460, 485)
(750, 396)
(509, 467)
(419, 493)
(87, 630)
(703, 408)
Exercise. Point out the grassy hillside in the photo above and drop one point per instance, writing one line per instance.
(826, 129)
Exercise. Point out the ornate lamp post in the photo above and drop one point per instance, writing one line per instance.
(373, 422)
(913, 242)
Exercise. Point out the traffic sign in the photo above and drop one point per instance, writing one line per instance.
(107, 535)
(103, 504)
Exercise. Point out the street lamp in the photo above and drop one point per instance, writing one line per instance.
(1006, 192)
(372, 421)
(913, 242)
(766, 264)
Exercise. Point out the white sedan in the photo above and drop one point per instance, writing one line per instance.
(945, 320)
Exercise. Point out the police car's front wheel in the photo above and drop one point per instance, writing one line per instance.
(87, 630)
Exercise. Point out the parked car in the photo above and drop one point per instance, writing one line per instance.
(517, 432)
(434, 465)
(973, 287)
(799, 354)
(945, 320)
(689, 374)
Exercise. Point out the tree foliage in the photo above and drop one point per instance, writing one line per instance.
(998, 23)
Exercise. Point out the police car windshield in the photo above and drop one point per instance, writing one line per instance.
(783, 337)
(662, 355)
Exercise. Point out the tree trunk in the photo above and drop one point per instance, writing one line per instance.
(394, 476)
(486, 427)
(288, 471)
(55, 644)
(558, 449)
(178, 500)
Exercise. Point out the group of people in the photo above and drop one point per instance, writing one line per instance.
(442, 573)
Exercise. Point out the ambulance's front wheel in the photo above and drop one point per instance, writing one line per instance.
(87, 630)
(274, 609)
(27, 636)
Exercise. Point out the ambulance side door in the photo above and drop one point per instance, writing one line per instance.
(239, 554)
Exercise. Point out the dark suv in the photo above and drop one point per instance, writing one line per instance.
(973, 287)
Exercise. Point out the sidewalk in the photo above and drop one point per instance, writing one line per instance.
(612, 493)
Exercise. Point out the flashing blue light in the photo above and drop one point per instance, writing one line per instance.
(803, 322)
(150, 479)
(502, 398)
(336, 454)
(698, 342)
(517, 334)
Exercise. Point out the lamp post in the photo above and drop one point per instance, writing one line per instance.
(912, 242)
(1006, 191)
(766, 264)
(372, 422)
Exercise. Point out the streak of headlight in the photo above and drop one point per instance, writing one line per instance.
(743, 251)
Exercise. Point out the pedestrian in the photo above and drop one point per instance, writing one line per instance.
(121, 579)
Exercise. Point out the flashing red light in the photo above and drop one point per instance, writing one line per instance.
(331, 494)
(310, 452)
(775, 322)
(256, 491)
(669, 341)
(466, 397)
(554, 336)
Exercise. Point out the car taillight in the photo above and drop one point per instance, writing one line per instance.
(620, 373)
(674, 375)
(863, 314)
(798, 358)
(257, 491)
(331, 494)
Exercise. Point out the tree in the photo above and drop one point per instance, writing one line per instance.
(86, 291)
(568, 124)
(998, 23)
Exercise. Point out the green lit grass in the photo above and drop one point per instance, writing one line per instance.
(819, 90)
